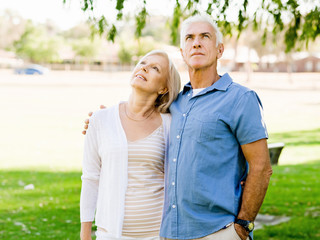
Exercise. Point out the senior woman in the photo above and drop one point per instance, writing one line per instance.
(124, 154)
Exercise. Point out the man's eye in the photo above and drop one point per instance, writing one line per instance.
(156, 68)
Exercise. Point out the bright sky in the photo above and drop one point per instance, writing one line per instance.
(68, 15)
(64, 16)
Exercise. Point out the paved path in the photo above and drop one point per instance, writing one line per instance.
(269, 220)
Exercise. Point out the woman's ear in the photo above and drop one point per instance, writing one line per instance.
(163, 91)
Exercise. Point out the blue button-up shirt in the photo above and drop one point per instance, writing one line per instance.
(206, 164)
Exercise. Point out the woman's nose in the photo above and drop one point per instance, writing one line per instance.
(144, 68)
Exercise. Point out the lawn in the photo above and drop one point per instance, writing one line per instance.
(293, 191)
(299, 145)
(51, 209)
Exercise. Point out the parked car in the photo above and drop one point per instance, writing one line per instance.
(31, 69)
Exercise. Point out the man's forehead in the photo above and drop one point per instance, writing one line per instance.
(199, 28)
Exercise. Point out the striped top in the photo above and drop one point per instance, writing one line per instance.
(144, 195)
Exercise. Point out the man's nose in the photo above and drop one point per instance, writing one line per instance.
(196, 43)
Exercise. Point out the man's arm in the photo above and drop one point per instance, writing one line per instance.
(260, 171)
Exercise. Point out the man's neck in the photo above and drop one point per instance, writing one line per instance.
(203, 78)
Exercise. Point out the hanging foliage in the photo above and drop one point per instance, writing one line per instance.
(276, 16)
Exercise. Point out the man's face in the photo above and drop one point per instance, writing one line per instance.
(200, 49)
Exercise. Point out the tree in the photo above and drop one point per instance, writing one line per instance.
(86, 49)
(36, 46)
(298, 19)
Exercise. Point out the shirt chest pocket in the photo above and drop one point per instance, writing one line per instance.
(203, 128)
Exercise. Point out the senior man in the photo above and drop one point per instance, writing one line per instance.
(217, 134)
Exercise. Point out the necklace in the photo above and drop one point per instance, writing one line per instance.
(137, 120)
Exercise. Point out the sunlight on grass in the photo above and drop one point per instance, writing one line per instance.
(293, 191)
(50, 211)
(300, 146)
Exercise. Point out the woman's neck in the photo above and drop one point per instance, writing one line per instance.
(139, 105)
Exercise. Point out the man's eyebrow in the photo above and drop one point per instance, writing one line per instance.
(206, 33)
(202, 34)
(189, 35)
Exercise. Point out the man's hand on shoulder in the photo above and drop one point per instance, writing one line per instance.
(86, 122)
(243, 234)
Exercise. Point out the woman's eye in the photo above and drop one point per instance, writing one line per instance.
(156, 68)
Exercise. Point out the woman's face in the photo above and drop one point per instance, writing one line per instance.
(150, 74)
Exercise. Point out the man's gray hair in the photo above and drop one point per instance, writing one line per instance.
(199, 18)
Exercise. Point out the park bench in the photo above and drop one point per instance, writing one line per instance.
(274, 151)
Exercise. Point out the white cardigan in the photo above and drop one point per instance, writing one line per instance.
(105, 174)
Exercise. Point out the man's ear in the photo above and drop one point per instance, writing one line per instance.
(220, 50)
(181, 51)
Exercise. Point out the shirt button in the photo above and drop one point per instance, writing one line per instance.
(172, 183)
(184, 114)
(178, 136)
(173, 206)
(174, 159)
(188, 94)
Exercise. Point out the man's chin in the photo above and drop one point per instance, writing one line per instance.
(197, 65)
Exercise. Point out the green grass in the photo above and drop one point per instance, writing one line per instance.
(294, 191)
(300, 146)
(51, 210)
(298, 138)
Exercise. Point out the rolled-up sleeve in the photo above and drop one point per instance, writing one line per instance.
(90, 173)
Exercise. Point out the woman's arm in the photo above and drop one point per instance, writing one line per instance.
(85, 233)
(90, 180)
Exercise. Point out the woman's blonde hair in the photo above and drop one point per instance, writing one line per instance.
(164, 101)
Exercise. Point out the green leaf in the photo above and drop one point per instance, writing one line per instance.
(209, 9)
(102, 24)
(141, 21)
(119, 7)
(175, 23)
(112, 33)
(85, 5)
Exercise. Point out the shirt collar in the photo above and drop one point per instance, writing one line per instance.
(221, 85)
